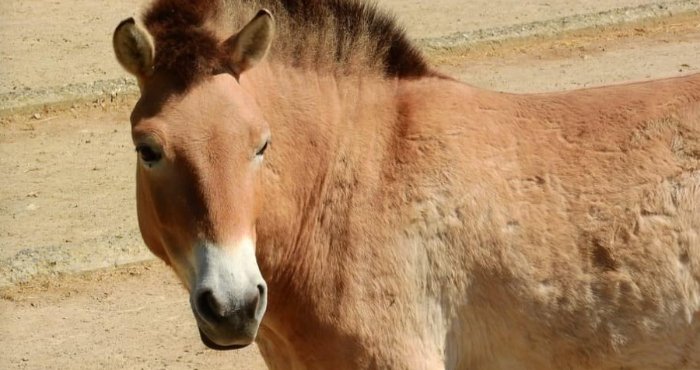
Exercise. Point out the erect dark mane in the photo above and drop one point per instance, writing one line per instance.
(342, 36)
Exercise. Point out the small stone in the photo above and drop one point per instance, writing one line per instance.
(36, 115)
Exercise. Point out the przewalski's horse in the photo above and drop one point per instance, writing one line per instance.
(401, 219)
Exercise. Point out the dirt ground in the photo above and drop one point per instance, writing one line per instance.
(67, 191)
(133, 317)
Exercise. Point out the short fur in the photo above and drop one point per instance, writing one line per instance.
(408, 221)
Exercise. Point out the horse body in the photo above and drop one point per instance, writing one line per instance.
(487, 230)
(413, 221)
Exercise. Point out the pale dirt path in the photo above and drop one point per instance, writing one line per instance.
(639, 51)
(66, 194)
(134, 317)
(58, 42)
(138, 317)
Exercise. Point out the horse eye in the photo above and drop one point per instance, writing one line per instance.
(148, 154)
(261, 151)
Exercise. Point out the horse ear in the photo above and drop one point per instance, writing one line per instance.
(134, 49)
(249, 46)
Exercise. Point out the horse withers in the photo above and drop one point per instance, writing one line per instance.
(319, 189)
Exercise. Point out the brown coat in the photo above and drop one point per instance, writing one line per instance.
(402, 219)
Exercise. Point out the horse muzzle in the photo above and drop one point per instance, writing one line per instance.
(229, 297)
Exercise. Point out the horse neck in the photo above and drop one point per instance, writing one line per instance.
(329, 136)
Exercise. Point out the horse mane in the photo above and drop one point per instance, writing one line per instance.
(337, 36)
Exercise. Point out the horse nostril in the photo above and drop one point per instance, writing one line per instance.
(208, 307)
(258, 305)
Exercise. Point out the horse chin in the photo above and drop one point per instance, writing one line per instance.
(215, 346)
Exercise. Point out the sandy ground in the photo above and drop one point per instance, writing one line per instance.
(67, 192)
(134, 317)
(70, 40)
